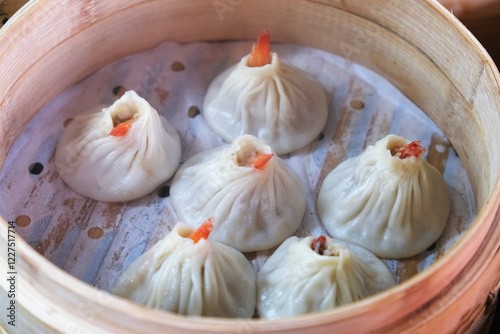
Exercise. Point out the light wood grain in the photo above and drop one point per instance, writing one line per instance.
(482, 18)
(415, 44)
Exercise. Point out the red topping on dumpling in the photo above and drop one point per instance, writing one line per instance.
(413, 149)
(260, 160)
(319, 245)
(203, 231)
(260, 55)
(122, 128)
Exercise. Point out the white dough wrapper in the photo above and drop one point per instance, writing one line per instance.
(253, 209)
(206, 278)
(393, 207)
(277, 103)
(111, 168)
(297, 280)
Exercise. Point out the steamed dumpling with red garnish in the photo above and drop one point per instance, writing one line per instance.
(268, 99)
(256, 199)
(119, 153)
(190, 274)
(310, 274)
(388, 199)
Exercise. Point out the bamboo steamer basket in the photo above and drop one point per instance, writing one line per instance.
(482, 18)
(472, 9)
(417, 45)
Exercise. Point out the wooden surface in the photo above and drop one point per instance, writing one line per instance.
(482, 18)
(8, 8)
(447, 77)
(472, 9)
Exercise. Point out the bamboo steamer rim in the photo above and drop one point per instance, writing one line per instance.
(472, 9)
(439, 275)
